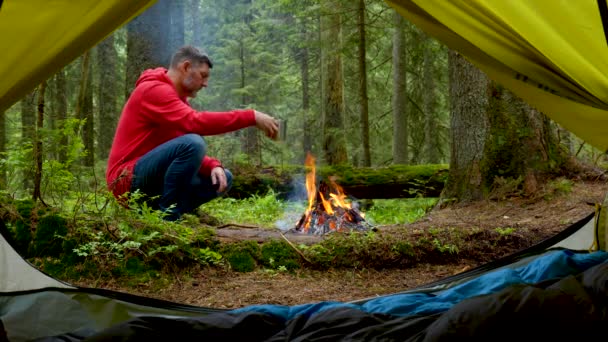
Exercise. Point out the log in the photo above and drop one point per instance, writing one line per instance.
(396, 181)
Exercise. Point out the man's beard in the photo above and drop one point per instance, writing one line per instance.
(187, 84)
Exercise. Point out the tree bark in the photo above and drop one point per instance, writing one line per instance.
(108, 112)
(500, 144)
(37, 195)
(84, 108)
(28, 124)
(197, 29)
(469, 129)
(334, 139)
(399, 103)
(520, 143)
(3, 178)
(364, 107)
(147, 42)
(61, 110)
(176, 25)
(303, 56)
(397, 181)
(429, 96)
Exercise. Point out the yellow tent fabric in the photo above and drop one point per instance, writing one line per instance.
(553, 54)
(39, 37)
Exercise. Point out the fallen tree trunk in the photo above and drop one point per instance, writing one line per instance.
(397, 181)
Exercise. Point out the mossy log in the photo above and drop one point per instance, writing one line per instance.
(396, 181)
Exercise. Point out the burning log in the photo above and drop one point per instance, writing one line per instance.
(328, 208)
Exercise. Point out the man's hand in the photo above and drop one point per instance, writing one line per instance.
(218, 176)
(268, 124)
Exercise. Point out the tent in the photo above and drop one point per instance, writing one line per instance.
(552, 55)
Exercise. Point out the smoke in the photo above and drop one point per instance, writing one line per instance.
(296, 205)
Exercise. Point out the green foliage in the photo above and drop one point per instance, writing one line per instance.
(505, 231)
(263, 211)
(399, 211)
(561, 186)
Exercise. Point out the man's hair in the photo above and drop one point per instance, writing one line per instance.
(191, 54)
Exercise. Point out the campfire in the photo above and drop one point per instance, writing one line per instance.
(329, 209)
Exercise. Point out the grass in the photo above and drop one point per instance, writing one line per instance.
(268, 211)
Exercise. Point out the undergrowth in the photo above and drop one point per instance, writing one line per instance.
(109, 241)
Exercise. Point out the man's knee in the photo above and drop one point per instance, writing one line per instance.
(195, 142)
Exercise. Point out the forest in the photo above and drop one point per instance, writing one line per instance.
(355, 84)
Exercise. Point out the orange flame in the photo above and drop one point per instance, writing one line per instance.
(311, 186)
(337, 199)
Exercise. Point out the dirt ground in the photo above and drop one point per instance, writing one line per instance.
(535, 220)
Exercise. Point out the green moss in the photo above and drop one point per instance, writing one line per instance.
(277, 254)
(241, 256)
(205, 238)
(22, 234)
(48, 237)
(241, 261)
(24, 208)
(69, 257)
(404, 249)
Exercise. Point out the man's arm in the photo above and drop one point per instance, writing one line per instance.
(161, 106)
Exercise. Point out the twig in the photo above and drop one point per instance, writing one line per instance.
(295, 248)
(237, 226)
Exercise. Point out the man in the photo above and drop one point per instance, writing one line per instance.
(158, 148)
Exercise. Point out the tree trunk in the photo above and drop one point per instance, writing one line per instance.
(61, 110)
(37, 195)
(3, 178)
(197, 29)
(176, 25)
(520, 144)
(400, 115)
(364, 107)
(108, 112)
(28, 124)
(500, 145)
(306, 122)
(147, 42)
(334, 138)
(429, 96)
(84, 108)
(395, 181)
(250, 140)
(469, 129)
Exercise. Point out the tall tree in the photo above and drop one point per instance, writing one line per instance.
(107, 59)
(177, 24)
(194, 12)
(61, 112)
(429, 99)
(495, 136)
(303, 56)
(38, 153)
(334, 139)
(400, 115)
(28, 124)
(364, 106)
(469, 128)
(3, 178)
(147, 42)
(84, 108)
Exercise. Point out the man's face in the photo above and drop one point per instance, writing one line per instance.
(195, 78)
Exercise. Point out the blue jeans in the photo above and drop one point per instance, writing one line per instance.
(168, 175)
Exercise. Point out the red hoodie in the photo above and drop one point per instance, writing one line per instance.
(155, 114)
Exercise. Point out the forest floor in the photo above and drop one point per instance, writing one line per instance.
(530, 220)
